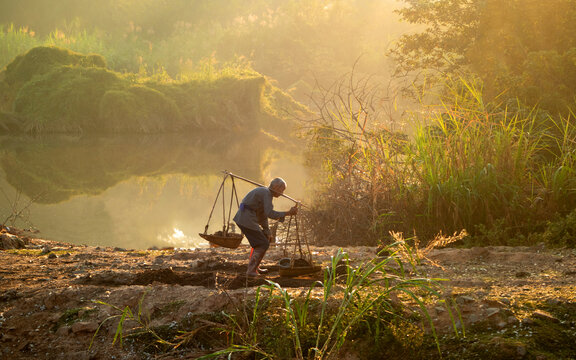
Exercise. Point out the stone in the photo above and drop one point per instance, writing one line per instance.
(464, 299)
(543, 315)
(439, 309)
(63, 331)
(527, 321)
(84, 326)
(513, 320)
(492, 311)
(184, 256)
(521, 351)
(9, 241)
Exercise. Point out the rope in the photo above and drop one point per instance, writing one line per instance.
(213, 206)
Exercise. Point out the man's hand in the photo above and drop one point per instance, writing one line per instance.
(293, 210)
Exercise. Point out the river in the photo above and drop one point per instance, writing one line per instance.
(135, 192)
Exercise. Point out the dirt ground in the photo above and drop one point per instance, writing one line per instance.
(54, 296)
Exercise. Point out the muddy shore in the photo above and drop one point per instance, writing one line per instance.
(55, 296)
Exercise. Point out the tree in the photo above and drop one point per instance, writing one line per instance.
(510, 44)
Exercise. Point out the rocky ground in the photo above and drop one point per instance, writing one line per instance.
(515, 302)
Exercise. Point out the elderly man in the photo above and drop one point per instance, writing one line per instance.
(252, 218)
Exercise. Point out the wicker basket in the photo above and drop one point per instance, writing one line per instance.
(230, 240)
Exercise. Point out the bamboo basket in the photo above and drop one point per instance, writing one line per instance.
(230, 240)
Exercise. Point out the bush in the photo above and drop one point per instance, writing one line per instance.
(56, 90)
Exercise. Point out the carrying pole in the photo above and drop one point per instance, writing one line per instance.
(257, 184)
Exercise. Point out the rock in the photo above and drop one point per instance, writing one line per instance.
(63, 331)
(464, 300)
(52, 256)
(473, 318)
(522, 274)
(521, 351)
(492, 311)
(494, 303)
(9, 241)
(84, 326)
(439, 309)
(543, 315)
(184, 256)
(527, 321)
(512, 320)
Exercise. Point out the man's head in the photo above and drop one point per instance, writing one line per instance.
(277, 187)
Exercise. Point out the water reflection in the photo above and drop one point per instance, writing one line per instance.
(134, 191)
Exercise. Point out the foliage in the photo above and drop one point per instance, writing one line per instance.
(14, 42)
(359, 151)
(65, 99)
(56, 90)
(561, 231)
(523, 48)
(372, 299)
(471, 164)
(289, 41)
(128, 314)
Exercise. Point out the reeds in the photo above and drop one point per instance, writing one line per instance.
(349, 303)
(470, 164)
(14, 42)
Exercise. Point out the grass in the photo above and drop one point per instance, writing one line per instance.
(54, 90)
(374, 300)
(382, 302)
(469, 164)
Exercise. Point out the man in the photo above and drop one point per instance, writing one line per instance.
(252, 219)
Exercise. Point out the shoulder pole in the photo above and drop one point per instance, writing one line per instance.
(257, 184)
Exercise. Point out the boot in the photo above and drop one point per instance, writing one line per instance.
(260, 270)
(254, 262)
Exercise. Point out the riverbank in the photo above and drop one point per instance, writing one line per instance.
(514, 302)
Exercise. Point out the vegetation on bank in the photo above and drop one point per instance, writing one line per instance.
(488, 147)
(503, 172)
(382, 305)
(50, 89)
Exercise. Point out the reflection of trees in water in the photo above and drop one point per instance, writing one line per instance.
(61, 167)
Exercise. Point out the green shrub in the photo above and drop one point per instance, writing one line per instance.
(55, 90)
(65, 99)
(43, 59)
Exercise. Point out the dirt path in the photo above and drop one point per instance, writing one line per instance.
(47, 293)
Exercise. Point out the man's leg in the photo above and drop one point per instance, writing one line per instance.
(261, 271)
(259, 242)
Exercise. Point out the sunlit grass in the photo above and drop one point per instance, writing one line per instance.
(372, 300)
(471, 164)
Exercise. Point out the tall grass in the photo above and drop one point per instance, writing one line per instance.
(469, 164)
(475, 161)
(364, 303)
(14, 42)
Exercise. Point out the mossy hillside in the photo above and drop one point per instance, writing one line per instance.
(229, 102)
(65, 99)
(75, 93)
(138, 108)
(42, 59)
